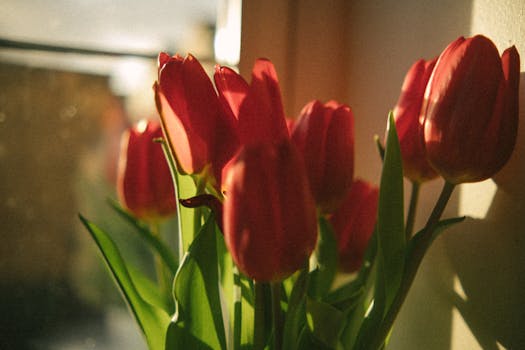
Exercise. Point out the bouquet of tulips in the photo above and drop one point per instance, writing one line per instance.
(279, 247)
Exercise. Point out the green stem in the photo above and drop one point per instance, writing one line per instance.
(200, 186)
(176, 186)
(277, 316)
(411, 217)
(413, 261)
(259, 317)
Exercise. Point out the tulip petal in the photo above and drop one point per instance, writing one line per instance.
(510, 61)
(261, 115)
(409, 124)
(324, 134)
(198, 128)
(201, 99)
(190, 157)
(269, 214)
(354, 223)
(247, 201)
(144, 183)
(501, 133)
(309, 135)
(461, 97)
(162, 59)
(339, 157)
(232, 89)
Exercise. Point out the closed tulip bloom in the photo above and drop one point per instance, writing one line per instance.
(409, 125)
(270, 223)
(257, 106)
(471, 111)
(354, 224)
(324, 134)
(200, 132)
(144, 183)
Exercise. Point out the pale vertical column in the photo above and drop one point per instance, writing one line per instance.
(319, 60)
(306, 42)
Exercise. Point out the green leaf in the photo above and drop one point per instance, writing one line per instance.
(179, 337)
(365, 280)
(390, 235)
(230, 288)
(152, 320)
(441, 226)
(237, 293)
(325, 322)
(374, 317)
(196, 291)
(390, 222)
(307, 341)
(295, 319)
(153, 241)
(326, 255)
(245, 312)
(344, 297)
(149, 290)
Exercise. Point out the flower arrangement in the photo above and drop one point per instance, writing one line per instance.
(269, 212)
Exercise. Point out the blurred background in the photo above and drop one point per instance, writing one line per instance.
(74, 74)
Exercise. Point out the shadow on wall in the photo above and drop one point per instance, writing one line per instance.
(488, 256)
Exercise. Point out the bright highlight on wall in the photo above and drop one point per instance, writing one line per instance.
(475, 199)
(227, 43)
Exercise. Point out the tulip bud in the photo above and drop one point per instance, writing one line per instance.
(199, 131)
(144, 182)
(471, 110)
(324, 134)
(257, 106)
(409, 125)
(270, 224)
(354, 224)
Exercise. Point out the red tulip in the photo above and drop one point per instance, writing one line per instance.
(144, 182)
(354, 224)
(471, 110)
(324, 134)
(257, 106)
(198, 129)
(290, 124)
(270, 223)
(409, 125)
(204, 128)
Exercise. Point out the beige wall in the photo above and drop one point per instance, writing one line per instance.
(368, 46)
(307, 51)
